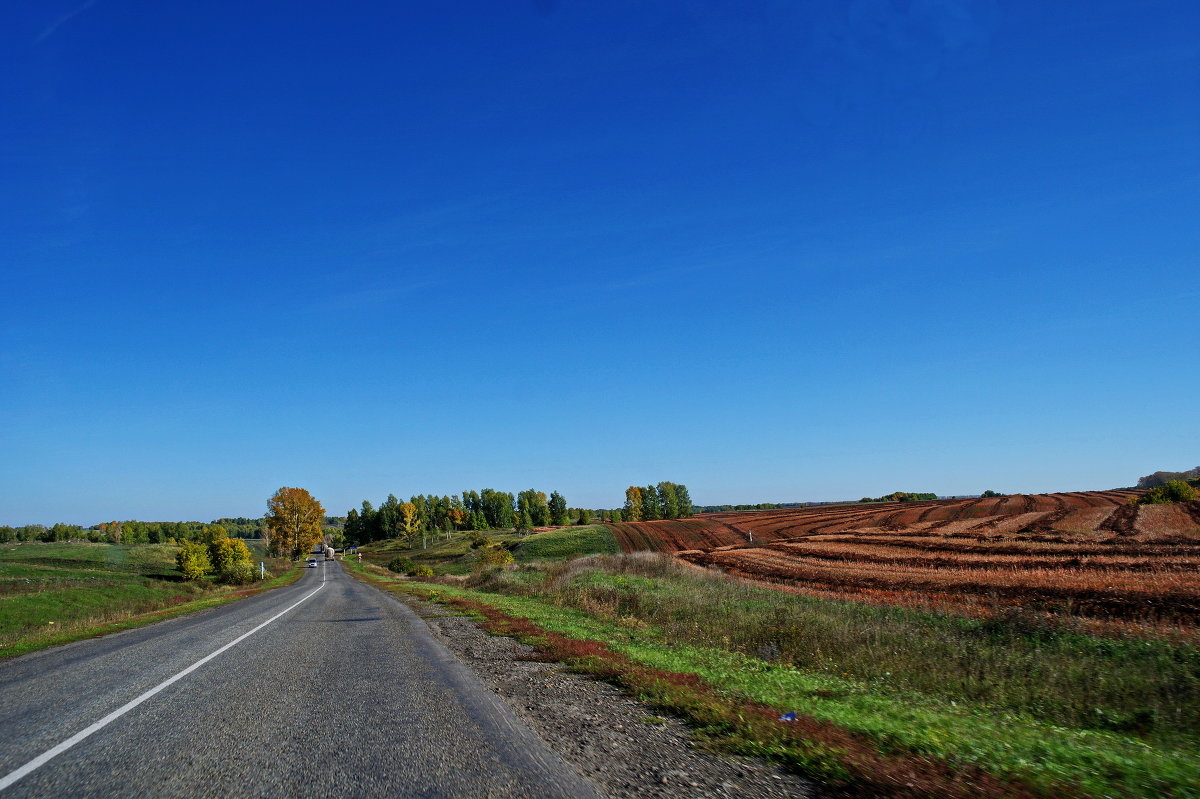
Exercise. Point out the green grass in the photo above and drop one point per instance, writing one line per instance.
(567, 543)
(899, 679)
(52, 593)
(1016, 663)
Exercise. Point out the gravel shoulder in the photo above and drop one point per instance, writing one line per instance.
(624, 747)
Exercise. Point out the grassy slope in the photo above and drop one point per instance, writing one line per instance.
(646, 619)
(454, 555)
(567, 543)
(51, 594)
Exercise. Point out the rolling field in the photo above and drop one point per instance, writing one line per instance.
(1087, 554)
(988, 695)
(52, 593)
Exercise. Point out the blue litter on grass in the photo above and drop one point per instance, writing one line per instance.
(789, 716)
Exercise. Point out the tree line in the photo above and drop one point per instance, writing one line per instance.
(1162, 478)
(425, 515)
(755, 506)
(128, 532)
(903, 496)
(133, 531)
(663, 501)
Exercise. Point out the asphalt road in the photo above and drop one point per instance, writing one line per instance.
(344, 694)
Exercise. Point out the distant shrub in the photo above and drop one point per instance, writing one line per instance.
(479, 540)
(401, 565)
(1171, 491)
(422, 571)
(240, 573)
(490, 558)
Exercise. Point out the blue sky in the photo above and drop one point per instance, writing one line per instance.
(776, 251)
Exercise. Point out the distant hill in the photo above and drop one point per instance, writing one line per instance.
(1161, 478)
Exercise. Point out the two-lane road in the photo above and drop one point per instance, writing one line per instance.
(325, 688)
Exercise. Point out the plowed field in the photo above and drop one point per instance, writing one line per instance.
(1088, 554)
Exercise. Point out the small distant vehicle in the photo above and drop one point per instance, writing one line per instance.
(312, 563)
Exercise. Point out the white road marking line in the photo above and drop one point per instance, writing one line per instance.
(48, 755)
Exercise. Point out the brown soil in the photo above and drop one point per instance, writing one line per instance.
(1089, 554)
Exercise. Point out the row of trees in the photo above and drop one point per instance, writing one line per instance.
(241, 526)
(128, 532)
(903, 496)
(425, 515)
(755, 506)
(663, 501)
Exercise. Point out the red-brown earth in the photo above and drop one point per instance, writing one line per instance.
(1091, 555)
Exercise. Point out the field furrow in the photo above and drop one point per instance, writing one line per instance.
(1090, 554)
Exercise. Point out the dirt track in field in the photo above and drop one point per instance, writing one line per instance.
(1090, 554)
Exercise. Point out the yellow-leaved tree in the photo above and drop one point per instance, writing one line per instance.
(411, 520)
(295, 522)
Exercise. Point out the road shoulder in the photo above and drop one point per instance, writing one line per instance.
(623, 746)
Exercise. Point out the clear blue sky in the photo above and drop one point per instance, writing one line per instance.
(773, 250)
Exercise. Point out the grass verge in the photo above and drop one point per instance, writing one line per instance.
(858, 735)
(454, 555)
(53, 594)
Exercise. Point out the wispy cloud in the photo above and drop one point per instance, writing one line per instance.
(376, 294)
(64, 19)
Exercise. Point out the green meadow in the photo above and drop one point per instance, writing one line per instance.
(51, 593)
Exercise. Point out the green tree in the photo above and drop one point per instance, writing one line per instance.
(497, 508)
(390, 523)
(686, 508)
(668, 502)
(534, 503)
(558, 508)
(651, 509)
(353, 528)
(421, 504)
(471, 502)
(524, 524)
(369, 524)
